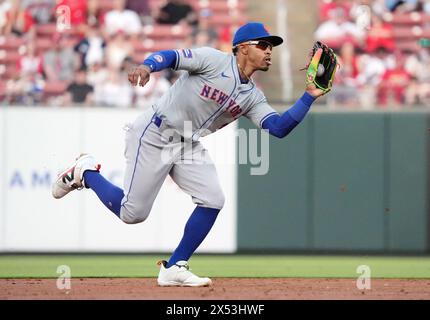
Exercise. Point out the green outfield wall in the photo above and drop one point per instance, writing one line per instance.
(341, 182)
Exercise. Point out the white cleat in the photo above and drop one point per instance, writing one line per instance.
(73, 178)
(179, 275)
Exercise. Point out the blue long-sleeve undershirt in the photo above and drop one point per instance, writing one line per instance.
(281, 125)
(161, 60)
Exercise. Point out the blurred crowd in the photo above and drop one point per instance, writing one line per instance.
(62, 52)
(384, 51)
(79, 51)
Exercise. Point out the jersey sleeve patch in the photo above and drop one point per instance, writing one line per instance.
(187, 53)
(159, 58)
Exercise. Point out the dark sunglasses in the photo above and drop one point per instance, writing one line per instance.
(260, 44)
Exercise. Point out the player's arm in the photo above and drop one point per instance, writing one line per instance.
(155, 62)
(192, 60)
(281, 125)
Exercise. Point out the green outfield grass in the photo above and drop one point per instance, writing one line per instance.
(45, 266)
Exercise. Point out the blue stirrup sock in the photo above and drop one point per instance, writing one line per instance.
(196, 229)
(108, 193)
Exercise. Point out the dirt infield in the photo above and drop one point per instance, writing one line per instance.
(223, 288)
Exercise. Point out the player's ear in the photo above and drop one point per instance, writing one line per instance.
(243, 50)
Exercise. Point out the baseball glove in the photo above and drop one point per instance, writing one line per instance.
(322, 67)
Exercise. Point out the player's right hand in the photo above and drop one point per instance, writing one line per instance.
(139, 75)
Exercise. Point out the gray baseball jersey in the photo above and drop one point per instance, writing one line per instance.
(210, 95)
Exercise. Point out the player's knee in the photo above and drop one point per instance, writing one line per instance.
(132, 220)
(133, 216)
(216, 201)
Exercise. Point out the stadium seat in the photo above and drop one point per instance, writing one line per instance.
(148, 45)
(157, 31)
(50, 29)
(43, 44)
(216, 6)
(407, 45)
(408, 32)
(426, 33)
(8, 71)
(56, 88)
(404, 18)
(106, 5)
(224, 20)
(10, 42)
(45, 30)
(221, 7)
(9, 56)
(2, 89)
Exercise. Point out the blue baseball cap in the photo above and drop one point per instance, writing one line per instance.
(255, 31)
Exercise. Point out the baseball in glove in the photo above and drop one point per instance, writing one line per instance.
(322, 67)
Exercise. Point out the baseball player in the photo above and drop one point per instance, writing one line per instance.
(216, 90)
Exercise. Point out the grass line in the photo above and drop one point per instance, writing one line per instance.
(99, 266)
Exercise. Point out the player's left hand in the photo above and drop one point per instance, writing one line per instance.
(139, 75)
(314, 91)
(321, 70)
